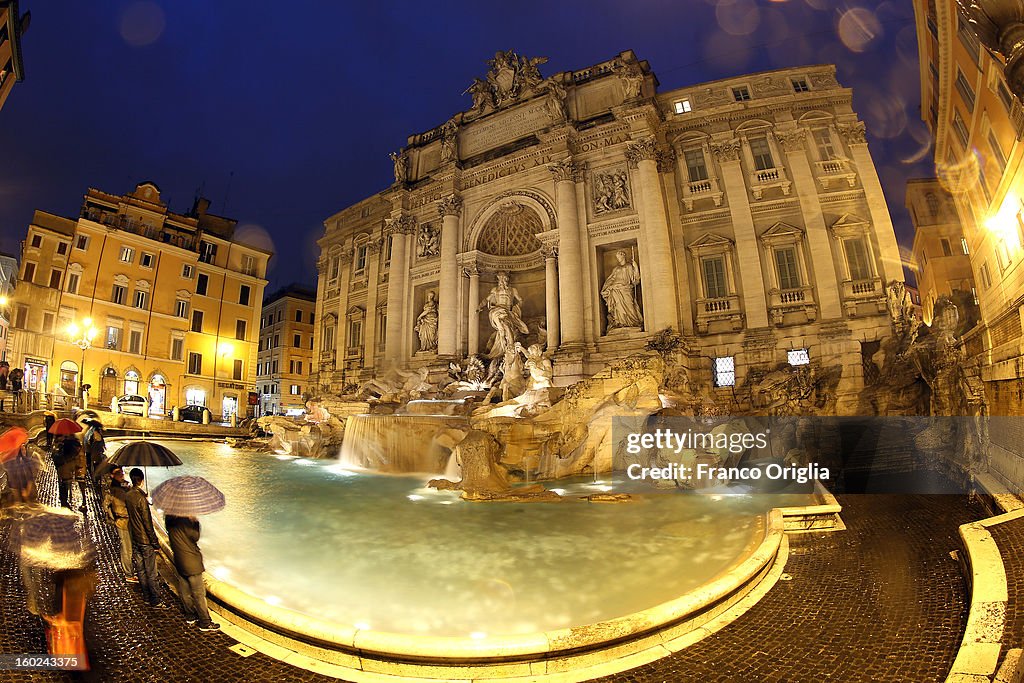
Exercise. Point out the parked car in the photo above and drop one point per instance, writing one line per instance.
(129, 405)
(192, 414)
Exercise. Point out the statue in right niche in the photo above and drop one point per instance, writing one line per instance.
(619, 294)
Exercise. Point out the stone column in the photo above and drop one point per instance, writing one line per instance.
(400, 228)
(370, 317)
(643, 156)
(449, 210)
(794, 143)
(551, 295)
(755, 306)
(570, 272)
(854, 136)
(474, 315)
(341, 328)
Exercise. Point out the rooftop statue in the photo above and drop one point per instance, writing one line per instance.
(511, 77)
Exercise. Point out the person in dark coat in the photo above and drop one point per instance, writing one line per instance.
(66, 460)
(21, 477)
(48, 420)
(116, 509)
(144, 542)
(183, 535)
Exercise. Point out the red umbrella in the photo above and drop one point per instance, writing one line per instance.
(11, 442)
(64, 427)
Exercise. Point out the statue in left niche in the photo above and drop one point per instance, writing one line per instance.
(401, 162)
(619, 294)
(426, 323)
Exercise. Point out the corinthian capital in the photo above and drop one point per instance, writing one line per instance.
(853, 133)
(792, 140)
(567, 169)
(727, 150)
(645, 149)
(403, 225)
(449, 206)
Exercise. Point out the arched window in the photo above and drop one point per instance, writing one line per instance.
(131, 383)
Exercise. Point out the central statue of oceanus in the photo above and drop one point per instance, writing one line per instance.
(504, 311)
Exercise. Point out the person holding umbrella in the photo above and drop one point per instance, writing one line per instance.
(182, 498)
(144, 541)
(115, 505)
(183, 534)
(49, 418)
(66, 457)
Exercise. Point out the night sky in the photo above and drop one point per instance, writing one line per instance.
(284, 112)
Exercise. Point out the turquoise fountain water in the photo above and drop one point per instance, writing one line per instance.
(386, 553)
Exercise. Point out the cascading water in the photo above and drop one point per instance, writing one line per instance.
(399, 444)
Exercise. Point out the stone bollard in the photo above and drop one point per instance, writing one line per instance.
(175, 414)
(206, 417)
(234, 419)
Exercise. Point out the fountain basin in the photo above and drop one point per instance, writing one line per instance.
(276, 505)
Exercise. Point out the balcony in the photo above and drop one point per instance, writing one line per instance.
(792, 306)
(834, 171)
(701, 189)
(767, 178)
(863, 297)
(719, 310)
(120, 221)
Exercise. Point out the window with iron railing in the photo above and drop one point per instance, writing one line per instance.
(786, 265)
(761, 153)
(696, 165)
(714, 277)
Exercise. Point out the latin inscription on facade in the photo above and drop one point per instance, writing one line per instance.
(504, 127)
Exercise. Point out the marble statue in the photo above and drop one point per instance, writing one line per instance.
(401, 162)
(481, 93)
(619, 294)
(449, 140)
(510, 77)
(426, 323)
(504, 311)
(428, 241)
(631, 76)
(538, 365)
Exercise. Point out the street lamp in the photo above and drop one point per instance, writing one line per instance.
(82, 338)
(999, 25)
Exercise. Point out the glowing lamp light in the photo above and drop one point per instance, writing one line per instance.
(226, 349)
(4, 300)
(1004, 224)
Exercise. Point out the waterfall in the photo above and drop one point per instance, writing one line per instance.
(400, 444)
(453, 471)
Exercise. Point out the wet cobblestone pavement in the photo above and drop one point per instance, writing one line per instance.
(1009, 537)
(883, 601)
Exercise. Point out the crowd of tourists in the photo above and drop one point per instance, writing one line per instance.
(55, 551)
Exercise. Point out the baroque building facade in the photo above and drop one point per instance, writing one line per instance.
(285, 351)
(13, 25)
(170, 302)
(941, 257)
(977, 122)
(745, 214)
